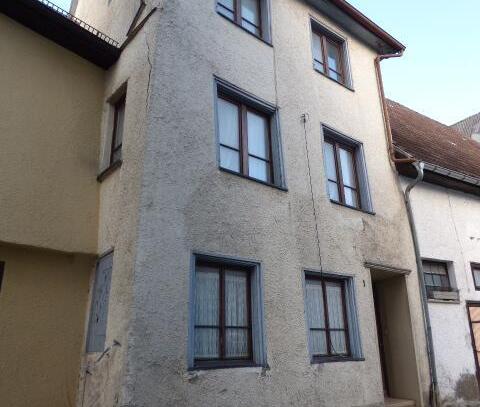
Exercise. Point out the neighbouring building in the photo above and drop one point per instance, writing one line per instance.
(446, 208)
(469, 127)
(260, 240)
(52, 75)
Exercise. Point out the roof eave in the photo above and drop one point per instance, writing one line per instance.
(352, 20)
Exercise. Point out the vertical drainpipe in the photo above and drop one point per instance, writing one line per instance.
(434, 399)
(433, 393)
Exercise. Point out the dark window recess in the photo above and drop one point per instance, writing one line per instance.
(2, 269)
(327, 318)
(245, 140)
(117, 131)
(245, 13)
(436, 277)
(328, 56)
(223, 320)
(476, 275)
(99, 306)
(342, 174)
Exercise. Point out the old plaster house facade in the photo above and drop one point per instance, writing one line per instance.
(219, 209)
(446, 207)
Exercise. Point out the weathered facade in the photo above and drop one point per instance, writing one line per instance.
(446, 209)
(169, 209)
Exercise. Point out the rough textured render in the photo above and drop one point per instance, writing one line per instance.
(170, 178)
(469, 127)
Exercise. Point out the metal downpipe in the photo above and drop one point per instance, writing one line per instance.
(434, 398)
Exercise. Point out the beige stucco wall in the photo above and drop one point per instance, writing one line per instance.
(42, 307)
(50, 115)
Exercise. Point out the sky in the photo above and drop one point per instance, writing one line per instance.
(439, 75)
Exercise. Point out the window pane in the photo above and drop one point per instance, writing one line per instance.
(228, 123)
(351, 197)
(338, 342)
(333, 191)
(335, 305)
(476, 276)
(258, 169)
(318, 342)
(258, 135)
(206, 343)
(207, 312)
(251, 15)
(348, 168)
(207, 296)
(314, 304)
(428, 280)
(120, 119)
(229, 159)
(236, 298)
(236, 343)
(226, 8)
(333, 53)
(317, 52)
(329, 154)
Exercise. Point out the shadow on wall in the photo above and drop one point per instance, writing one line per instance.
(466, 389)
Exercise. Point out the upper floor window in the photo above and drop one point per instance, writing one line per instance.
(436, 276)
(346, 175)
(248, 14)
(329, 54)
(117, 129)
(476, 275)
(248, 137)
(331, 318)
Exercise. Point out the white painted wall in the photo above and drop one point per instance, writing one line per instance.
(448, 224)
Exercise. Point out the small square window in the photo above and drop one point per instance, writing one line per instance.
(248, 138)
(436, 277)
(345, 171)
(226, 320)
(331, 319)
(329, 54)
(251, 15)
(476, 275)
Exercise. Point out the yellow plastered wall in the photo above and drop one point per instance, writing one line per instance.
(43, 303)
(50, 116)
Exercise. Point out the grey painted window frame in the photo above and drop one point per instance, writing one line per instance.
(360, 162)
(265, 21)
(354, 335)
(234, 92)
(317, 26)
(258, 322)
(93, 345)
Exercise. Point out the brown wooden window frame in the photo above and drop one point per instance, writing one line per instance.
(338, 169)
(475, 267)
(238, 19)
(330, 356)
(222, 361)
(121, 101)
(325, 39)
(446, 284)
(243, 109)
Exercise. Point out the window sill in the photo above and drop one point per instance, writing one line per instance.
(434, 301)
(254, 179)
(334, 80)
(244, 29)
(219, 365)
(334, 359)
(352, 207)
(109, 170)
(444, 297)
